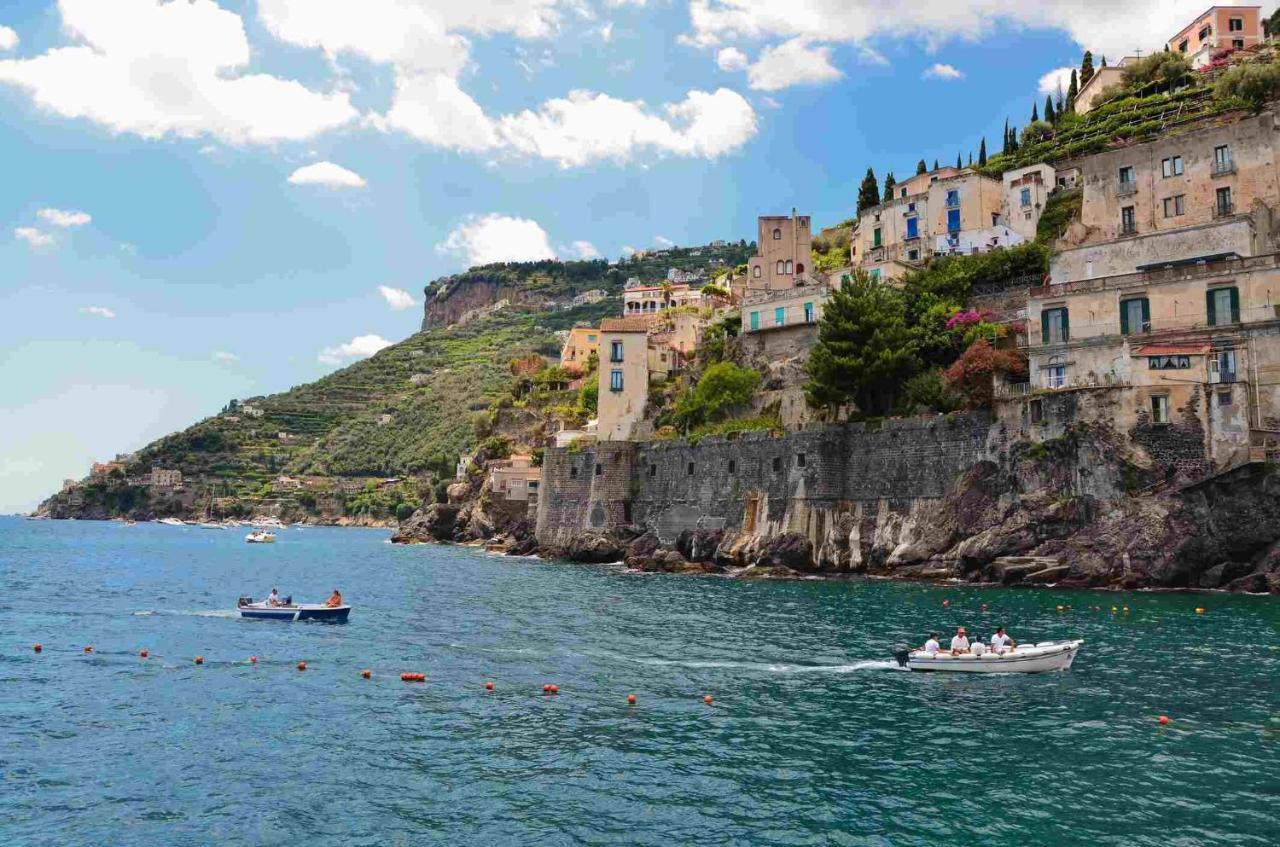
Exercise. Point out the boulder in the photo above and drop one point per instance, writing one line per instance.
(594, 548)
(699, 545)
(788, 550)
(435, 523)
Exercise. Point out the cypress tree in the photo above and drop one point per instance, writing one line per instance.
(1004, 143)
(889, 183)
(1035, 112)
(970, 158)
(1048, 109)
(1013, 138)
(868, 192)
(1072, 91)
(1086, 69)
(1104, 61)
(982, 152)
(959, 163)
(921, 167)
(935, 164)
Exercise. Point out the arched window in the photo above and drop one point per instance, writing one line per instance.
(755, 272)
(789, 266)
(800, 267)
(1055, 372)
(781, 268)
(777, 235)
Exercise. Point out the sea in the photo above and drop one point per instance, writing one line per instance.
(812, 736)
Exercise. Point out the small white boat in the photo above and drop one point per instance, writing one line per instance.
(171, 522)
(260, 536)
(1029, 658)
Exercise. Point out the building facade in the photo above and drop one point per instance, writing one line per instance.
(651, 299)
(1094, 92)
(515, 478)
(778, 310)
(165, 478)
(784, 253)
(579, 344)
(1025, 191)
(1219, 28)
(624, 376)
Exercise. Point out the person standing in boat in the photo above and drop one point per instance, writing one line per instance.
(959, 642)
(932, 646)
(274, 598)
(1001, 641)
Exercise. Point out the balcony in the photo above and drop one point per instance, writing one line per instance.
(1128, 228)
(1222, 167)
(1124, 189)
(1224, 209)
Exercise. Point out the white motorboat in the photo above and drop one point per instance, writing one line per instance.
(260, 536)
(1027, 658)
(171, 522)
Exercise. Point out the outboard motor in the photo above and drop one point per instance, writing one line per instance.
(901, 652)
(288, 601)
(244, 601)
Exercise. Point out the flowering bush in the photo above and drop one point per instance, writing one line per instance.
(971, 376)
(964, 318)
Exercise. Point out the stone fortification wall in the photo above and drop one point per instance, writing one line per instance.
(585, 489)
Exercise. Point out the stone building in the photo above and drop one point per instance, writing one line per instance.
(624, 376)
(784, 253)
(651, 299)
(165, 478)
(1026, 190)
(1184, 358)
(1207, 192)
(1219, 28)
(1094, 92)
(579, 344)
(772, 311)
(515, 478)
(947, 210)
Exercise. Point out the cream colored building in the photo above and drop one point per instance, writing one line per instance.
(645, 299)
(165, 478)
(775, 310)
(515, 478)
(1219, 28)
(624, 376)
(1025, 192)
(580, 343)
(1209, 191)
(1095, 92)
(784, 253)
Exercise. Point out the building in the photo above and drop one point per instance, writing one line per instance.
(776, 310)
(101, 470)
(624, 376)
(784, 253)
(463, 466)
(579, 344)
(1219, 28)
(650, 299)
(165, 478)
(1093, 92)
(515, 478)
(595, 295)
(687, 277)
(1207, 192)
(947, 210)
(1026, 190)
(1183, 358)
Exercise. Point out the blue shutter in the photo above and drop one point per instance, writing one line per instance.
(1125, 328)
(953, 220)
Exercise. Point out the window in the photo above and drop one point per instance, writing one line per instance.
(1126, 175)
(808, 313)
(777, 464)
(1175, 206)
(790, 268)
(599, 469)
(875, 237)
(911, 207)
(904, 192)
(1222, 366)
(691, 469)
(1053, 326)
(615, 351)
(1205, 32)
(1223, 206)
(1223, 305)
(780, 268)
(1224, 398)
(755, 320)
(653, 469)
(591, 338)
(1055, 373)
(777, 235)
(913, 227)
(1036, 409)
(874, 273)
(953, 197)
(755, 272)
(1222, 154)
(1168, 363)
(1237, 44)
(733, 466)
(800, 459)
(1128, 221)
(1182, 48)
(953, 220)
(1135, 315)
(615, 381)
(573, 472)
(913, 255)
(1171, 166)
(800, 267)
(1235, 25)
(1160, 408)
(1026, 197)
(779, 316)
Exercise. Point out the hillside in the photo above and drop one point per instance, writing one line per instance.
(375, 438)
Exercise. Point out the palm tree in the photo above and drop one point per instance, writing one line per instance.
(665, 288)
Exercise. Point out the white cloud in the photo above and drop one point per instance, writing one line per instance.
(99, 311)
(582, 250)
(157, 69)
(360, 347)
(662, 242)
(941, 71)
(1058, 76)
(222, 357)
(1103, 26)
(732, 59)
(397, 298)
(869, 55)
(59, 217)
(33, 236)
(327, 174)
(8, 38)
(793, 62)
(481, 240)
(606, 31)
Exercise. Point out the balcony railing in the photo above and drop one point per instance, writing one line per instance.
(1222, 167)
(1224, 209)
(1124, 189)
(1013, 391)
(1129, 228)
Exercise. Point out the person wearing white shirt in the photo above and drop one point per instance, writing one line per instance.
(978, 647)
(273, 599)
(960, 643)
(932, 646)
(1001, 640)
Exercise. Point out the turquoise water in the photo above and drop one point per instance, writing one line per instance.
(813, 737)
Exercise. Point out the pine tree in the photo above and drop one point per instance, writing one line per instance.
(865, 350)
(1048, 109)
(1035, 113)
(889, 183)
(1072, 90)
(868, 192)
(982, 152)
(921, 167)
(1086, 69)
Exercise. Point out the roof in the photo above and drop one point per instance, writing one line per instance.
(1193, 349)
(624, 325)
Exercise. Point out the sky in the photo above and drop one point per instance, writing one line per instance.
(205, 200)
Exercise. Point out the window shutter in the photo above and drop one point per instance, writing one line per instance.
(1235, 305)
(1044, 326)
(1125, 329)
(1209, 310)
(1146, 314)
(1066, 325)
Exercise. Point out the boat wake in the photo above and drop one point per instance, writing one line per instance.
(199, 613)
(760, 667)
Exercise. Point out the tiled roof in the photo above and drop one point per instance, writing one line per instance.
(624, 325)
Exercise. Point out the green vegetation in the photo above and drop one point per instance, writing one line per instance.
(1255, 84)
(831, 251)
(1060, 210)
(868, 192)
(723, 388)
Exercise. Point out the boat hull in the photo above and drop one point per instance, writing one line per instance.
(301, 612)
(1038, 658)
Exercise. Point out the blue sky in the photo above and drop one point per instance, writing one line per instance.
(156, 260)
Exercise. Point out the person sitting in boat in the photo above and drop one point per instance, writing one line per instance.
(978, 647)
(932, 646)
(959, 642)
(335, 599)
(273, 599)
(1001, 641)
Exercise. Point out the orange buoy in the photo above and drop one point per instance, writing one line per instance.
(143, 653)
(199, 660)
(37, 646)
(366, 673)
(631, 699)
(1199, 610)
(546, 688)
(707, 700)
(253, 660)
(413, 677)
(302, 666)
(555, 689)
(1164, 720)
(488, 686)
(946, 603)
(88, 649)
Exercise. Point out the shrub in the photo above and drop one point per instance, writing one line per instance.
(1162, 71)
(971, 376)
(722, 387)
(927, 391)
(1255, 84)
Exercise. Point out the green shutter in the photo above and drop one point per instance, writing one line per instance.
(1124, 317)
(1235, 305)
(1044, 326)
(1066, 325)
(1208, 307)
(1146, 315)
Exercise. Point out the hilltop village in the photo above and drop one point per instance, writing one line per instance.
(1052, 363)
